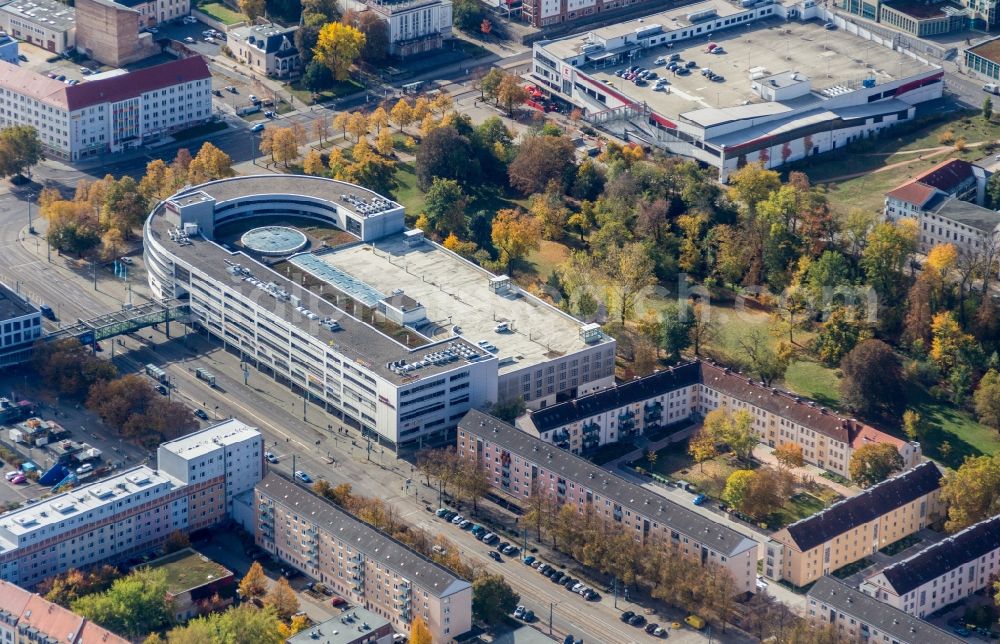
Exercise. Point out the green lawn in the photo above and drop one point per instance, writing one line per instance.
(868, 191)
(950, 423)
(710, 477)
(814, 380)
(407, 193)
(339, 89)
(221, 12)
(544, 260)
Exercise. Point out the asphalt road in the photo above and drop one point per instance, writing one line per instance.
(272, 408)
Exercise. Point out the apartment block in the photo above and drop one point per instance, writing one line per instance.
(231, 450)
(947, 204)
(20, 327)
(110, 114)
(131, 512)
(856, 527)
(940, 574)
(414, 26)
(689, 391)
(360, 563)
(27, 618)
(860, 618)
(519, 464)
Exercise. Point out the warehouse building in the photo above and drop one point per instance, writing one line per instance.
(756, 85)
(48, 24)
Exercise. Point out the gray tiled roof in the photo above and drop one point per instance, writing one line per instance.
(970, 214)
(874, 502)
(944, 556)
(900, 626)
(606, 400)
(610, 486)
(376, 545)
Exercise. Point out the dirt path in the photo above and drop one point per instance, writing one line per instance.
(925, 153)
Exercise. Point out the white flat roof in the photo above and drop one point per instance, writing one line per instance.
(68, 505)
(228, 432)
(455, 292)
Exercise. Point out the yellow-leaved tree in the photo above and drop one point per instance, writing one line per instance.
(419, 633)
(337, 47)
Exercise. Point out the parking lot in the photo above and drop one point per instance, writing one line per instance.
(827, 57)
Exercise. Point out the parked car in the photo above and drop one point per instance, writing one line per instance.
(510, 551)
(257, 127)
(232, 89)
(271, 458)
(441, 512)
(10, 475)
(519, 611)
(699, 500)
(85, 468)
(529, 616)
(502, 545)
(591, 595)
(829, 26)
(650, 627)
(189, 40)
(302, 476)
(47, 311)
(269, 114)
(465, 525)
(458, 518)
(528, 560)
(163, 390)
(627, 615)
(18, 480)
(636, 620)
(495, 556)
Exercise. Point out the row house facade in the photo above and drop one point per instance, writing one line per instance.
(943, 573)
(519, 464)
(358, 562)
(856, 527)
(857, 617)
(686, 393)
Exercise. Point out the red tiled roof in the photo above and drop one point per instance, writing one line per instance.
(913, 192)
(32, 84)
(947, 175)
(135, 83)
(868, 434)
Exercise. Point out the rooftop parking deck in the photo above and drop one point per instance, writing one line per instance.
(829, 58)
(457, 293)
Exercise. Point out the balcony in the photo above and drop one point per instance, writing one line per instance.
(560, 438)
(652, 413)
(591, 441)
(591, 428)
(626, 423)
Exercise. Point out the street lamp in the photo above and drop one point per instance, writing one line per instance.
(31, 229)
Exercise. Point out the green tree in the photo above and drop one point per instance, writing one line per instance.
(972, 492)
(676, 323)
(840, 333)
(445, 153)
(874, 463)
(888, 246)
(987, 399)
(493, 599)
(987, 108)
(20, 148)
(873, 380)
(789, 455)
(445, 206)
(419, 633)
(132, 607)
(239, 624)
(913, 425)
(764, 361)
(490, 83)
(468, 15)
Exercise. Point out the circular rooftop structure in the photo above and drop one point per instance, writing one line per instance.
(274, 241)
